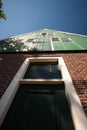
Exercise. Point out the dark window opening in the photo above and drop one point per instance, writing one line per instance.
(38, 42)
(43, 34)
(49, 70)
(55, 39)
(33, 110)
(30, 40)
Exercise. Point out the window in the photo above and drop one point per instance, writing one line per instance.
(55, 39)
(43, 70)
(37, 41)
(43, 34)
(46, 97)
(30, 40)
(64, 39)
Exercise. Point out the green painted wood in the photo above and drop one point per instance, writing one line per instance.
(42, 42)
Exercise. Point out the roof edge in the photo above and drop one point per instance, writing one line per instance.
(45, 29)
(68, 32)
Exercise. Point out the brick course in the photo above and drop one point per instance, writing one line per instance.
(76, 64)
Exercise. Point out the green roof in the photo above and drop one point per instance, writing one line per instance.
(44, 40)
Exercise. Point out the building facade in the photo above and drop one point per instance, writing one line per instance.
(49, 44)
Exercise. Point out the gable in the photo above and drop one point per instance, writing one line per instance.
(44, 40)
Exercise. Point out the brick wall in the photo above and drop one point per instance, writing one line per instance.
(9, 64)
(76, 64)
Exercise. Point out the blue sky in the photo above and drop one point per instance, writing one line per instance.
(30, 15)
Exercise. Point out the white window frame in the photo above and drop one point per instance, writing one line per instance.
(77, 112)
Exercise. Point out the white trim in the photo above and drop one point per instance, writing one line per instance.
(72, 33)
(70, 39)
(60, 39)
(41, 81)
(69, 33)
(44, 59)
(51, 44)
